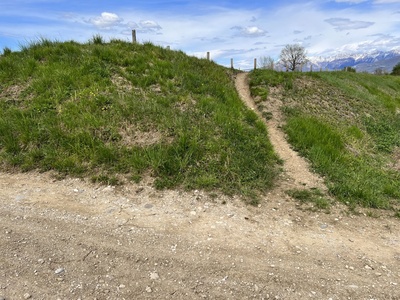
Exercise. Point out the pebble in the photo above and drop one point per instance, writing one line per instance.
(367, 267)
(108, 189)
(148, 289)
(154, 276)
(148, 205)
(352, 286)
(59, 271)
(27, 296)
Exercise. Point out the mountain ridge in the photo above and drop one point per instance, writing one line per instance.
(362, 62)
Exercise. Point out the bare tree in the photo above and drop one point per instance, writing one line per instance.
(293, 56)
(266, 62)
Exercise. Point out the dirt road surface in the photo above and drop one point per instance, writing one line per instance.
(70, 239)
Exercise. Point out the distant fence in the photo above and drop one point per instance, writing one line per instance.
(255, 66)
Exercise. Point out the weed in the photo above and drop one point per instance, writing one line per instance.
(97, 40)
(372, 214)
(6, 51)
(106, 180)
(313, 196)
(267, 115)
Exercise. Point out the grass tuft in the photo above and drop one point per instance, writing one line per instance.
(313, 196)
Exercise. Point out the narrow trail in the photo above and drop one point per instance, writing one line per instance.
(296, 168)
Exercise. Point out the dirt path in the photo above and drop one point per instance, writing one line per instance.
(296, 168)
(70, 239)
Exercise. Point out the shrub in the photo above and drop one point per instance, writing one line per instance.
(396, 69)
(349, 69)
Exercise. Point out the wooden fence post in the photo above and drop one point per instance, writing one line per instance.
(255, 63)
(231, 63)
(208, 56)
(134, 36)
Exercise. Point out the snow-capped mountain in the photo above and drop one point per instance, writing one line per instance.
(362, 62)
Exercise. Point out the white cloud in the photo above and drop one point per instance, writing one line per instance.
(251, 31)
(385, 1)
(341, 24)
(351, 1)
(106, 20)
(148, 25)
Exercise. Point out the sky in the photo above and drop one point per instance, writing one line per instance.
(239, 30)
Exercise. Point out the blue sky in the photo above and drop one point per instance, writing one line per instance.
(242, 30)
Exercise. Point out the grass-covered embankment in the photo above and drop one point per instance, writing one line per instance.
(118, 111)
(347, 125)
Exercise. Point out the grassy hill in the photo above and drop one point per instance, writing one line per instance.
(117, 111)
(347, 125)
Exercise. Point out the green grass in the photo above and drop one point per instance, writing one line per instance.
(115, 111)
(348, 126)
(314, 197)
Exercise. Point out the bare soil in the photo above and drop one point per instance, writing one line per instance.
(70, 239)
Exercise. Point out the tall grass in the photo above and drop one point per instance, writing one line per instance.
(116, 111)
(348, 126)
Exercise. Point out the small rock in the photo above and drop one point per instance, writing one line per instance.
(367, 267)
(59, 271)
(2, 298)
(108, 188)
(19, 198)
(27, 296)
(148, 289)
(148, 205)
(323, 226)
(154, 276)
(41, 261)
(352, 286)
